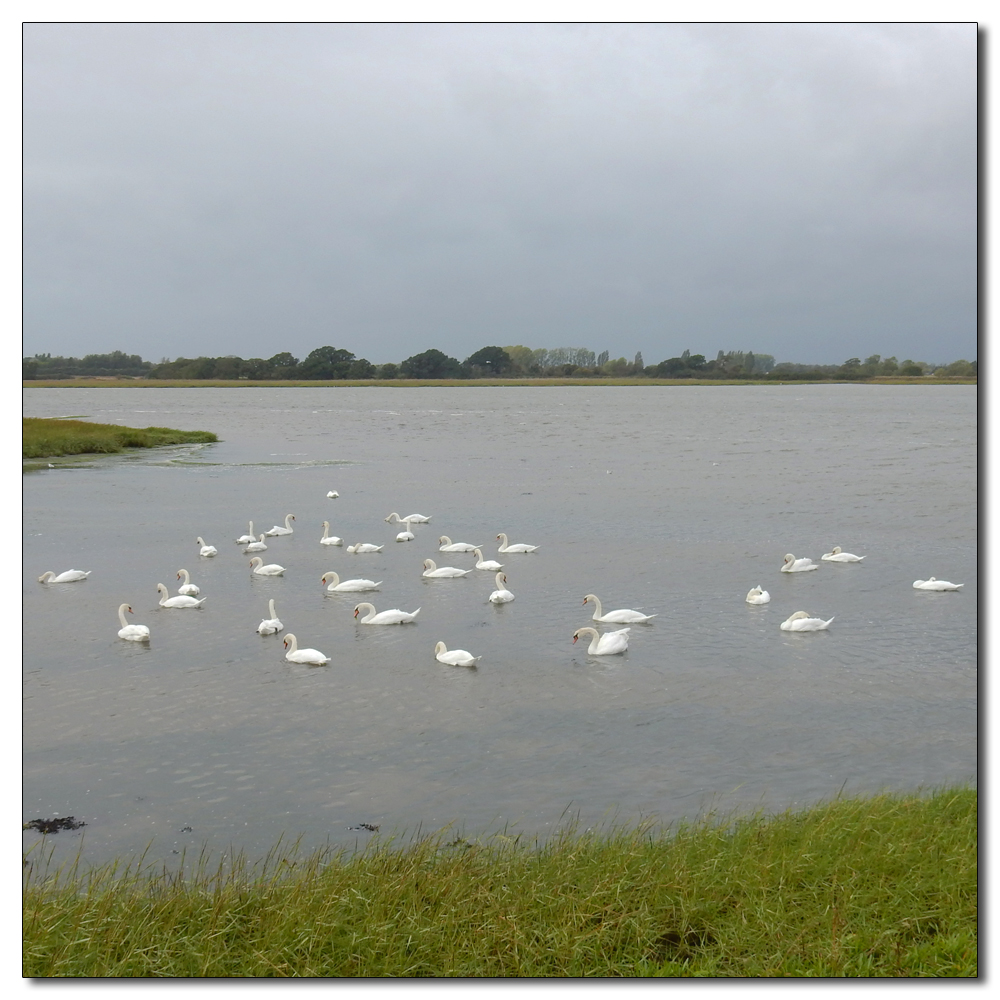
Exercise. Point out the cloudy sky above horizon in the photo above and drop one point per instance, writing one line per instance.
(806, 191)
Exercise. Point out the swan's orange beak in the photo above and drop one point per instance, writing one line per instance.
(574, 639)
(356, 612)
(585, 600)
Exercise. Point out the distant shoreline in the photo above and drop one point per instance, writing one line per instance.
(137, 383)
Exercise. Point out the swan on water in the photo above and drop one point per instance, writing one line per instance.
(445, 544)
(394, 518)
(182, 601)
(279, 530)
(482, 563)
(935, 584)
(793, 565)
(620, 616)
(393, 617)
(758, 596)
(296, 655)
(270, 625)
(801, 622)
(405, 535)
(134, 633)
(206, 550)
(69, 576)
(839, 555)
(604, 645)
(332, 495)
(187, 587)
(520, 547)
(329, 539)
(247, 538)
(456, 657)
(435, 572)
(259, 546)
(347, 586)
(272, 569)
(501, 595)
(360, 547)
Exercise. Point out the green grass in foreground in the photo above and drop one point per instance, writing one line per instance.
(43, 437)
(881, 887)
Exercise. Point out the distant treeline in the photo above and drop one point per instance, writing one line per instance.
(330, 363)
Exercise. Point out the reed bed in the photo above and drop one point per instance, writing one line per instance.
(44, 437)
(874, 887)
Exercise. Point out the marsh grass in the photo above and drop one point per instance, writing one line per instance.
(405, 383)
(877, 887)
(44, 437)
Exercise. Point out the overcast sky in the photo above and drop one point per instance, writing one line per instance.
(806, 191)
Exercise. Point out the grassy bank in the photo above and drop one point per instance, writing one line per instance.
(885, 887)
(46, 438)
(405, 383)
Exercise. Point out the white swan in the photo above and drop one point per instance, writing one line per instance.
(272, 569)
(793, 565)
(445, 544)
(520, 547)
(801, 622)
(329, 539)
(183, 601)
(256, 546)
(456, 657)
(394, 518)
(206, 550)
(69, 576)
(296, 655)
(839, 555)
(359, 547)
(247, 538)
(393, 617)
(279, 530)
(604, 645)
(758, 596)
(134, 633)
(501, 595)
(332, 495)
(482, 563)
(187, 587)
(270, 625)
(435, 572)
(935, 584)
(405, 535)
(620, 616)
(348, 586)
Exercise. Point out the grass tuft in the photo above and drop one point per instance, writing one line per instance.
(44, 437)
(876, 887)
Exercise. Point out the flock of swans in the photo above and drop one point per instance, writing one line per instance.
(607, 644)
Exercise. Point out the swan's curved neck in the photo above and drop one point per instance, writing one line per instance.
(368, 609)
(291, 642)
(500, 581)
(598, 611)
(185, 574)
(121, 616)
(270, 608)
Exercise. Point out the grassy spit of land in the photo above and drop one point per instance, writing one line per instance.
(409, 383)
(43, 437)
(874, 887)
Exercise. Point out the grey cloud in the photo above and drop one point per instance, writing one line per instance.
(802, 190)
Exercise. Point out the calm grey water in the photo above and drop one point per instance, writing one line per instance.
(673, 500)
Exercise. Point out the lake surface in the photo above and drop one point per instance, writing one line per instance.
(672, 500)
